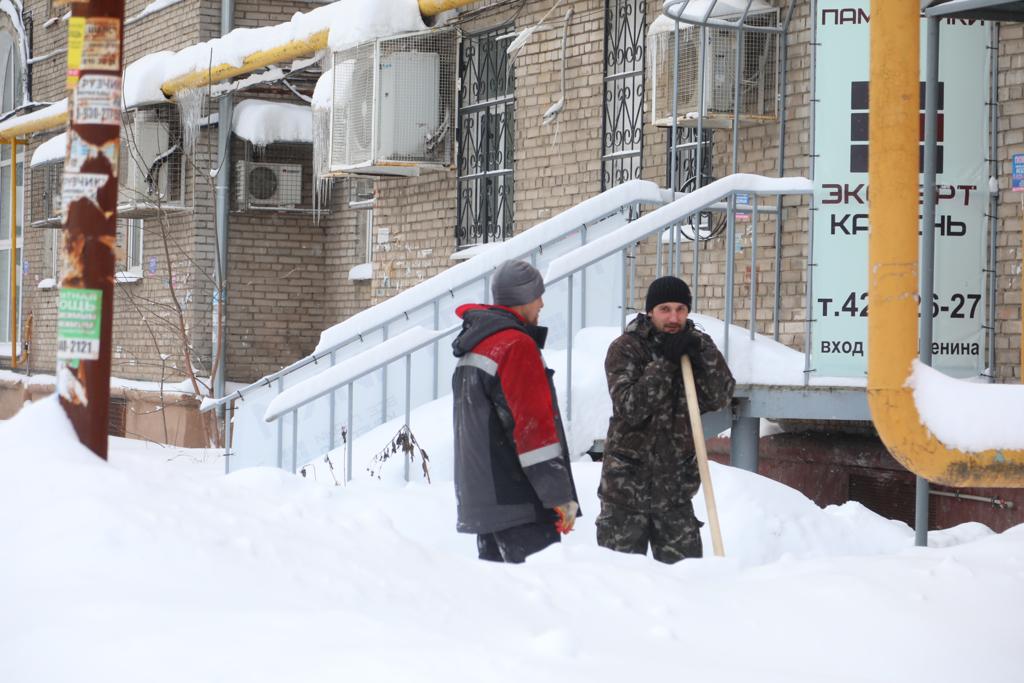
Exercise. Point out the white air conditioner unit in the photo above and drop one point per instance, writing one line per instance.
(144, 170)
(267, 185)
(713, 72)
(393, 105)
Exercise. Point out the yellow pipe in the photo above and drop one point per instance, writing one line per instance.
(296, 49)
(14, 254)
(893, 255)
(430, 8)
(23, 129)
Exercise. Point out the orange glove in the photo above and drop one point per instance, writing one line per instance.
(566, 516)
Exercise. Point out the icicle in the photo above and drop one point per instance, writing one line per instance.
(190, 109)
(322, 184)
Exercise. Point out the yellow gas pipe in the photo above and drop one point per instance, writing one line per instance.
(14, 254)
(893, 256)
(296, 49)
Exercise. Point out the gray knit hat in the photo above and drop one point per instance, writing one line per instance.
(516, 283)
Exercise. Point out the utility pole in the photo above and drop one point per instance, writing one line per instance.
(89, 214)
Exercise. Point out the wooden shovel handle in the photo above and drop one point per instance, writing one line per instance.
(702, 455)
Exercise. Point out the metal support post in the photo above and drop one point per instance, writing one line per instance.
(927, 287)
(753, 269)
(993, 202)
(436, 351)
(332, 399)
(350, 434)
(568, 356)
(408, 406)
(583, 284)
(384, 386)
(229, 426)
(280, 429)
(295, 440)
(743, 444)
(783, 61)
(85, 308)
(730, 269)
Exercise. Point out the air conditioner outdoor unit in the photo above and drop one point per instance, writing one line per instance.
(144, 169)
(268, 185)
(715, 75)
(393, 105)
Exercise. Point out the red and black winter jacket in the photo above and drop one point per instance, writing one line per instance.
(511, 457)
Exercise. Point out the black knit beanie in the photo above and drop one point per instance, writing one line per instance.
(667, 289)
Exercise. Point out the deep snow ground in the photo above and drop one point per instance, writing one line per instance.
(150, 569)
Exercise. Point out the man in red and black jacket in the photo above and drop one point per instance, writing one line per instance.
(513, 482)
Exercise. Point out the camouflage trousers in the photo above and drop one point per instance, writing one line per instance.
(673, 535)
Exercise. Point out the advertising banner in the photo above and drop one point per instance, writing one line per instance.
(840, 217)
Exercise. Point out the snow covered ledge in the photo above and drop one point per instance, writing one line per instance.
(968, 416)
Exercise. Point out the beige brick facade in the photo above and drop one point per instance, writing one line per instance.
(289, 275)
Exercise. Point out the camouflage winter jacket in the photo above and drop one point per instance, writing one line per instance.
(649, 460)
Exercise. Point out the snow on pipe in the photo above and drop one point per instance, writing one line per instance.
(56, 115)
(911, 434)
(294, 49)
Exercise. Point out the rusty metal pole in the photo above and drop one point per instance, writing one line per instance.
(89, 213)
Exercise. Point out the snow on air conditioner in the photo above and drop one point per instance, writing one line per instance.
(393, 105)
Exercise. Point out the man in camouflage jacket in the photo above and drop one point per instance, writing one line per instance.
(649, 474)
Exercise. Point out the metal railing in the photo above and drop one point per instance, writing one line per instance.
(578, 281)
(428, 305)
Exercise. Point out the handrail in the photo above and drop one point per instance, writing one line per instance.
(352, 369)
(671, 214)
(368, 322)
(893, 270)
(560, 268)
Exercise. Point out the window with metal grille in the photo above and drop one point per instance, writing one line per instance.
(485, 187)
(622, 122)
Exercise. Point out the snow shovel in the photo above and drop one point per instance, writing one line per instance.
(702, 455)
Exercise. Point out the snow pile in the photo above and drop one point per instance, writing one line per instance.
(992, 422)
(159, 569)
(348, 22)
(52, 150)
(262, 122)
